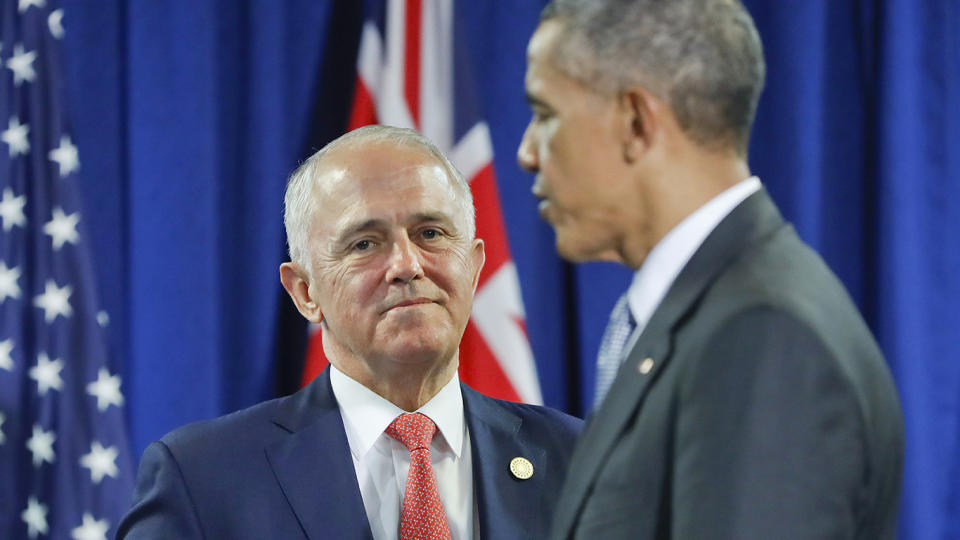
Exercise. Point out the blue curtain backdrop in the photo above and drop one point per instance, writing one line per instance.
(189, 116)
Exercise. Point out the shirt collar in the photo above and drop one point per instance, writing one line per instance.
(366, 414)
(665, 261)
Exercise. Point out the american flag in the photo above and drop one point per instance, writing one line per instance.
(65, 467)
(413, 70)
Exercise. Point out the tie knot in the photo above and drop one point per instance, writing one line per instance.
(415, 430)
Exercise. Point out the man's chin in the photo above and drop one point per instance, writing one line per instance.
(419, 356)
(420, 345)
(564, 244)
(575, 251)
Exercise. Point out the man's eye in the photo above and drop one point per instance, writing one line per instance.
(430, 234)
(362, 245)
(540, 116)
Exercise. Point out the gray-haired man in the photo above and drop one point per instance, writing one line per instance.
(749, 398)
(386, 443)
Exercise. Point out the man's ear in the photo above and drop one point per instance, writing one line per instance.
(641, 121)
(477, 257)
(296, 281)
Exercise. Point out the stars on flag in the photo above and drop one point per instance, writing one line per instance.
(35, 516)
(64, 360)
(16, 136)
(65, 156)
(55, 301)
(21, 64)
(6, 359)
(55, 23)
(24, 5)
(101, 462)
(62, 228)
(106, 389)
(47, 373)
(91, 529)
(11, 210)
(40, 445)
(9, 286)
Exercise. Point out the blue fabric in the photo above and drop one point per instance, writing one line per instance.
(188, 117)
(191, 116)
(65, 459)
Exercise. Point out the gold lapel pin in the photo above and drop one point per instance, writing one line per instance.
(521, 468)
(645, 366)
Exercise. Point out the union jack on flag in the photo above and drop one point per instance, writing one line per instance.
(65, 468)
(413, 71)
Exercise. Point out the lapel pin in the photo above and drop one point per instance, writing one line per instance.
(645, 365)
(521, 468)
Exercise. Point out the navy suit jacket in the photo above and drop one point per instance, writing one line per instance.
(282, 469)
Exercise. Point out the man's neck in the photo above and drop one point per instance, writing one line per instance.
(691, 182)
(406, 386)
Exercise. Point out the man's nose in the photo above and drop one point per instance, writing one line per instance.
(404, 264)
(526, 152)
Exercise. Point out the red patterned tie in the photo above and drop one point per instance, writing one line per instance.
(422, 517)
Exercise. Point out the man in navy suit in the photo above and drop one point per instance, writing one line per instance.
(381, 233)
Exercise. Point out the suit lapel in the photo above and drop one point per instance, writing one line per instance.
(753, 220)
(506, 505)
(314, 467)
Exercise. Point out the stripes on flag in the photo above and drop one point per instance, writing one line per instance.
(411, 72)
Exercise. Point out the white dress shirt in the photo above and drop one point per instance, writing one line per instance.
(382, 462)
(665, 261)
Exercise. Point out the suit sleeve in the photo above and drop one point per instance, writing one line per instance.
(162, 506)
(770, 436)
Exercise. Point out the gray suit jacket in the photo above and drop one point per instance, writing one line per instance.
(767, 410)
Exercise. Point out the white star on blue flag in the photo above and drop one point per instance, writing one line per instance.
(67, 468)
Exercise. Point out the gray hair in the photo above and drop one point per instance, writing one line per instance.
(702, 56)
(299, 199)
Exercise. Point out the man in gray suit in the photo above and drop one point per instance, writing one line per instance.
(748, 397)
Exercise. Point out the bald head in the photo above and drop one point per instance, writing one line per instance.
(361, 152)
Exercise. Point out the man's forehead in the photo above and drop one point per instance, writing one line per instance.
(544, 40)
(351, 184)
(348, 193)
(373, 159)
(373, 165)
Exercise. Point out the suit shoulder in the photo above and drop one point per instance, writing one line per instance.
(546, 416)
(534, 419)
(239, 427)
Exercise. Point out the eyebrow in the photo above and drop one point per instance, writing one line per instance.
(357, 227)
(421, 217)
(534, 100)
(374, 223)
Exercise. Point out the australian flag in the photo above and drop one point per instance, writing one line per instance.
(414, 70)
(65, 467)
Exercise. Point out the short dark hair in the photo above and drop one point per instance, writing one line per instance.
(702, 56)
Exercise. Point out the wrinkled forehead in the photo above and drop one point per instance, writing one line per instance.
(377, 167)
(390, 186)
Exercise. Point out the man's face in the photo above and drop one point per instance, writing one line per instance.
(573, 145)
(393, 273)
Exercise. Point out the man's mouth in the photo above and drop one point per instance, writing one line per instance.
(410, 302)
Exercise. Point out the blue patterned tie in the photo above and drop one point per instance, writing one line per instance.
(611, 354)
